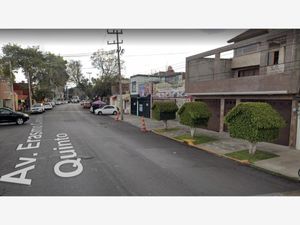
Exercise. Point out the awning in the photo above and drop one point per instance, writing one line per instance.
(22, 97)
(98, 103)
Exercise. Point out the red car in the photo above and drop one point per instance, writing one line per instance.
(86, 104)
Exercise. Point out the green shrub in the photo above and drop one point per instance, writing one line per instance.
(255, 122)
(164, 110)
(194, 114)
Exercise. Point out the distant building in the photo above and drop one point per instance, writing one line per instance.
(171, 87)
(141, 86)
(6, 94)
(259, 65)
(115, 98)
(22, 95)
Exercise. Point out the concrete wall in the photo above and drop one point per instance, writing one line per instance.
(206, 69)
(246, 60)
(251, 84)
(5, 89)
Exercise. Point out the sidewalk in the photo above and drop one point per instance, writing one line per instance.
(287, 164)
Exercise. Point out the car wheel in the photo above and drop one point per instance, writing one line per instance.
(20, 121)
(114, 113)
(99, 113)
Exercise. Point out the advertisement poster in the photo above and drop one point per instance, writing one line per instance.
(167, 90)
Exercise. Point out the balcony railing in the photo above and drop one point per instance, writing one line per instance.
(260, 84)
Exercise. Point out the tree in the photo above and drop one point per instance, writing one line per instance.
(164, 110)
(44, 71)
(254, 122)
(52, 74)
(29, 59)
(9, 61)
(74, 70)
(55, 70)
(106, 62)
(86, 86)
(76, 76)
(194, 114)
(103, 85)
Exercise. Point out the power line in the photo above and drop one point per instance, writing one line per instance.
(153, 54)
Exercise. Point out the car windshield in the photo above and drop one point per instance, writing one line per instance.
(37, 105)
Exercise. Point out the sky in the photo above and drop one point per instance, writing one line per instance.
(145, 50)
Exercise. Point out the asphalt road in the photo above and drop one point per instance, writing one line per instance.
(116, 159)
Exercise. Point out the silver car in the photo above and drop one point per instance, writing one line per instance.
(48, 105)
(37, 108)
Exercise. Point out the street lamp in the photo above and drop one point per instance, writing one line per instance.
(89, 73)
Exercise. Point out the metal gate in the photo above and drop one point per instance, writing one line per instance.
(144, 106)
(133, 108)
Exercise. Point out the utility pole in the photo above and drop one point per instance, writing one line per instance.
(117, 32)
(29, 90)
(12, 86)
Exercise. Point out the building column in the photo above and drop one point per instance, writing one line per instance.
(217, 66)
(222, 110)
(237, 101)
(293, 124)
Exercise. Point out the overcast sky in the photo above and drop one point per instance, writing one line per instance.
(146, 51)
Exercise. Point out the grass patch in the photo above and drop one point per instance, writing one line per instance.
(199, 139)
(244, 155)
(162, 130)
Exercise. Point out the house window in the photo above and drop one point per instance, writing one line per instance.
(133, 86)
(273, 58)
(276, 57)
(248, 72)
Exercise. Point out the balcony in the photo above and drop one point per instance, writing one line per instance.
(252, 85)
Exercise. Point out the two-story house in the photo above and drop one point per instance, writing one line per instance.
(264, 66)
(140, 94)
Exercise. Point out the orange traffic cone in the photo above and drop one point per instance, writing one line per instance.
(143, 125)
(117, 116)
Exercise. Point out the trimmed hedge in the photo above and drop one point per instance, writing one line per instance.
(194, 114)
(164, 110)
(254, 121)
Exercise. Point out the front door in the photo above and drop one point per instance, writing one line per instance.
(133, 108)
(144, 106)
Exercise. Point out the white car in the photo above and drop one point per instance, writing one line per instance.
(48, 105)
(53, 104)
(37, 108)
(107, 110)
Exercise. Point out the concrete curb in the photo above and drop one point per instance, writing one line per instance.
(242, 162)
(203, 148)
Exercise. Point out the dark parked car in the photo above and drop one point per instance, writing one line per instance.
(8, 115)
